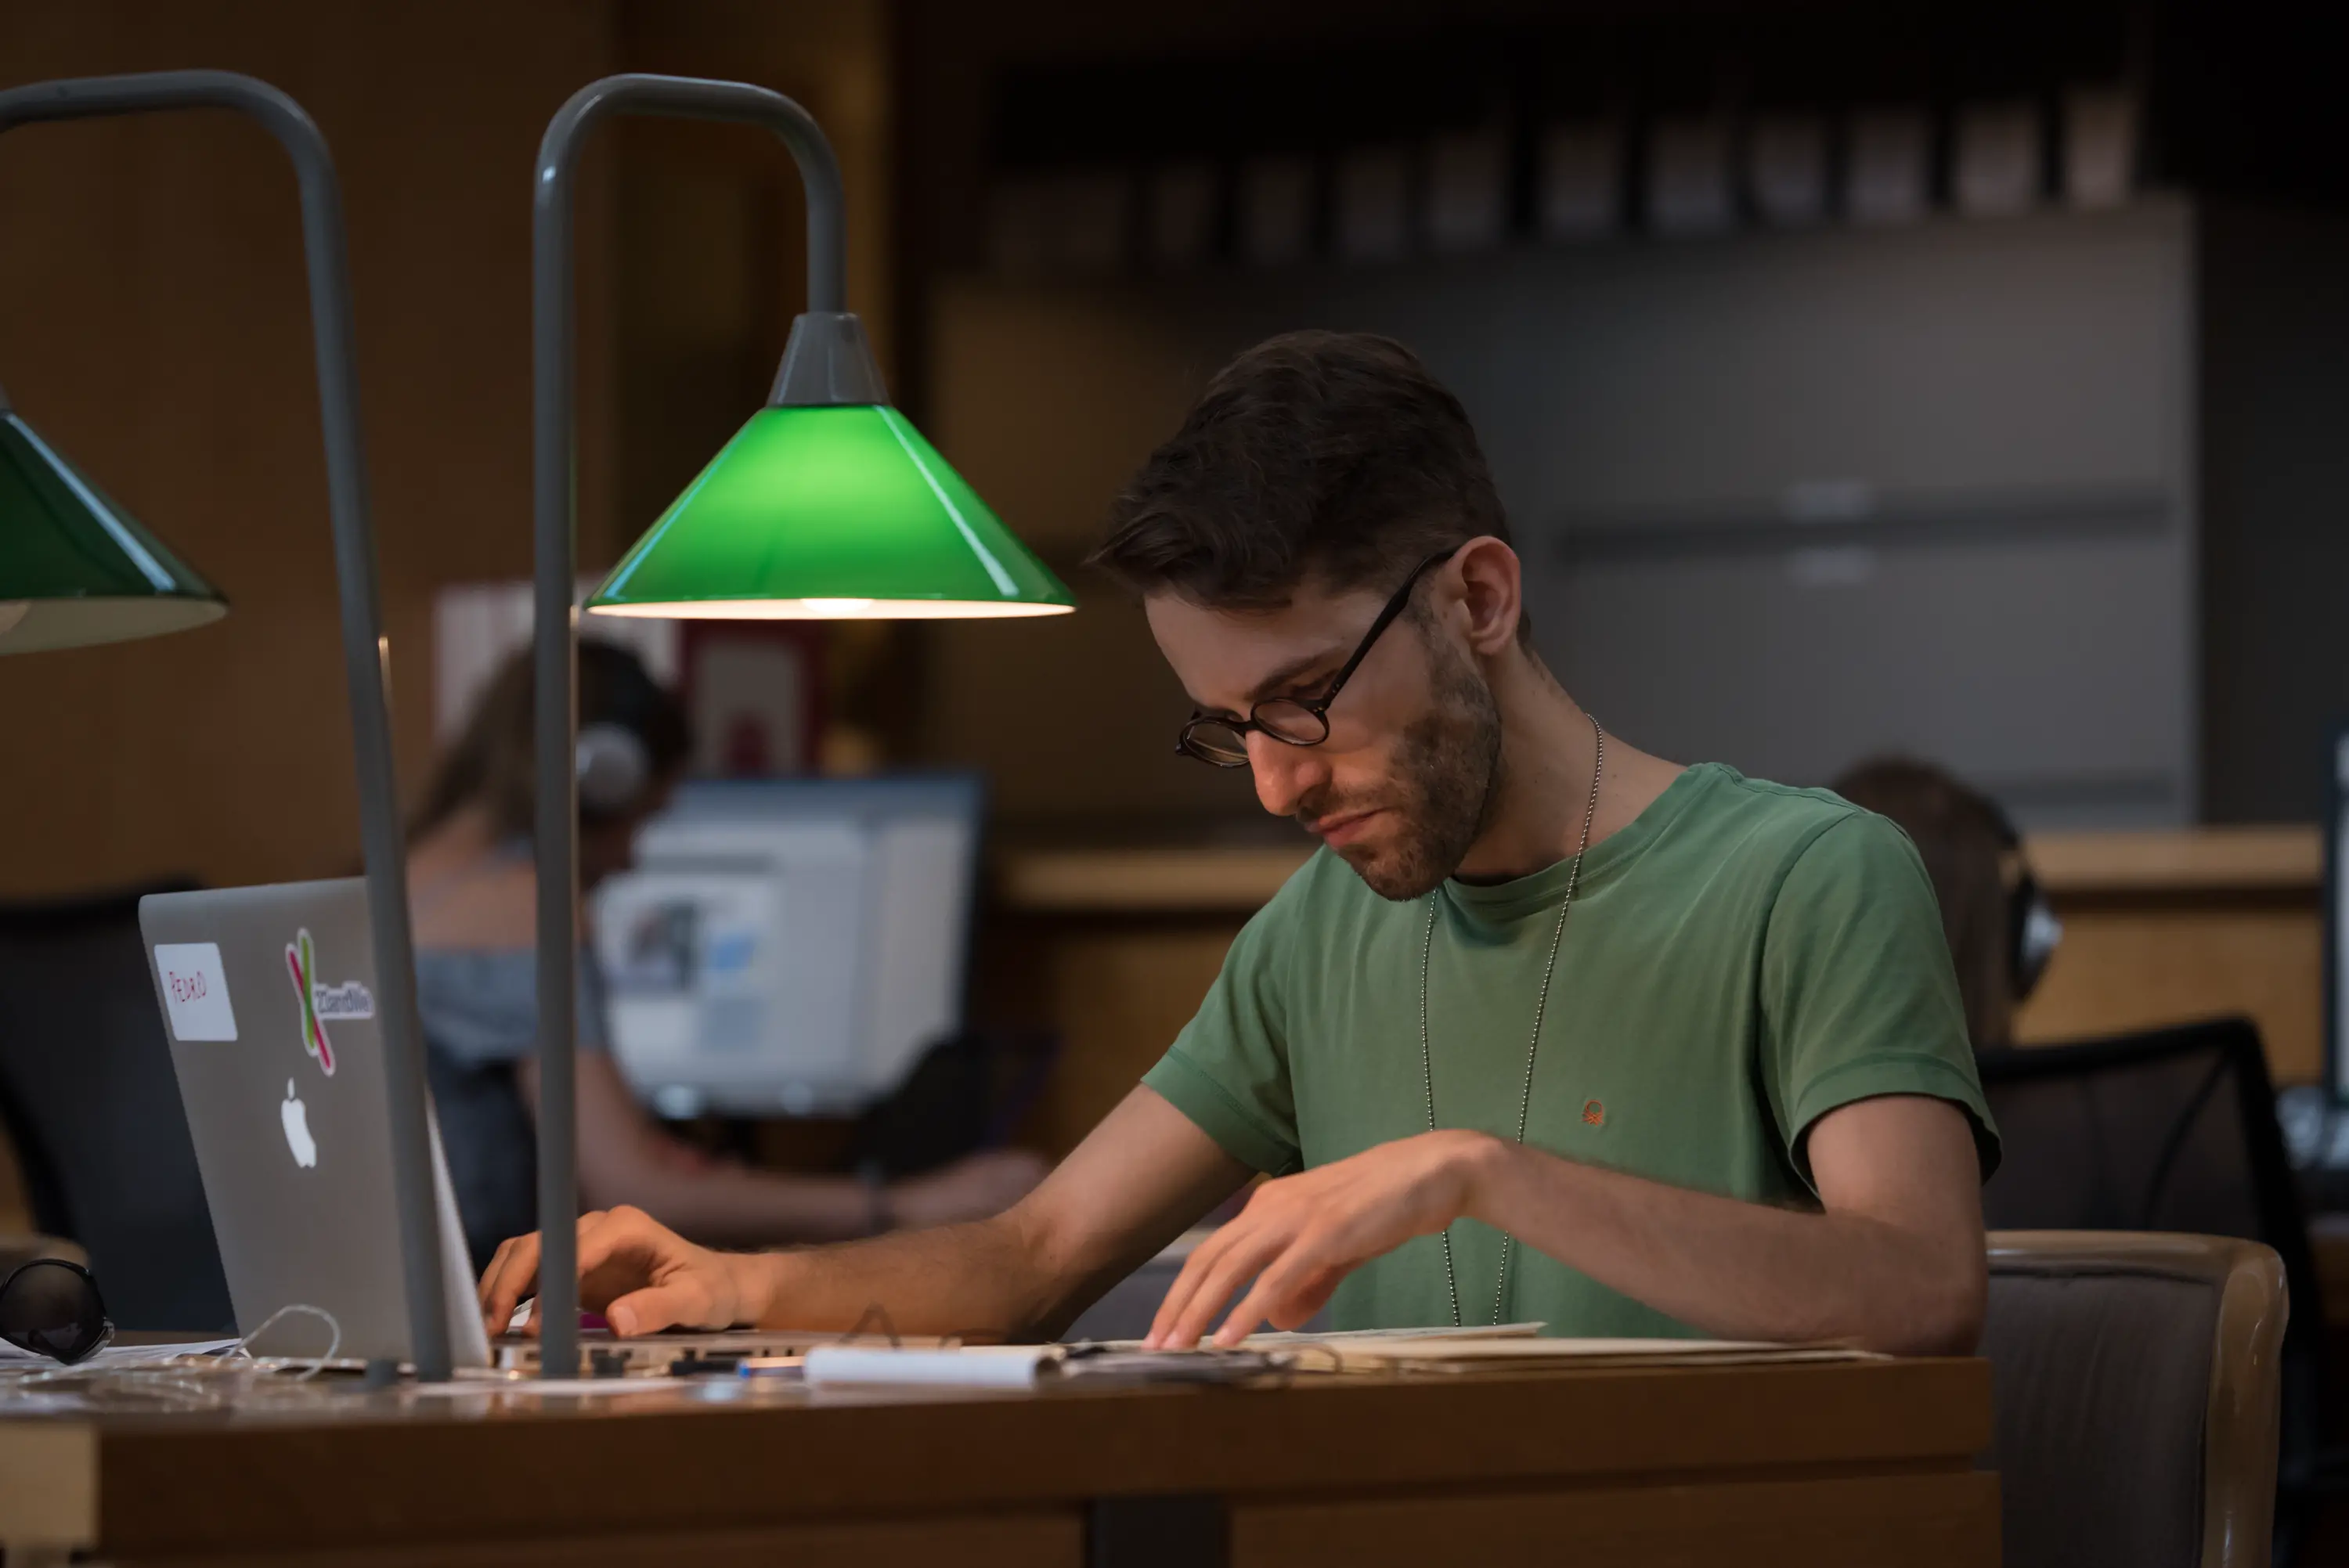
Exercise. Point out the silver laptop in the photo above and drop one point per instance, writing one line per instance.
(269, 1000)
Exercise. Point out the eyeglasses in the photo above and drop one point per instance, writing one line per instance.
(1292, 721)
(52, 1308)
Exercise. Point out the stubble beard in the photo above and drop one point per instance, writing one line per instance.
(1447, 766)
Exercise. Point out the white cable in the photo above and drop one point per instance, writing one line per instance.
(166, 1371)
(243, 1347)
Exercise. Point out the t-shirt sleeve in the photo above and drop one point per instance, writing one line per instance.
(1859, 996)
(1228, 1069)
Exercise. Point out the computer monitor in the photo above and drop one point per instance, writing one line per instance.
(790, 945)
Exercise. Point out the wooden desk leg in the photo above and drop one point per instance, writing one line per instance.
(1189, 1529)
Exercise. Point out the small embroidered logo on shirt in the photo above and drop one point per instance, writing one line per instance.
(1594, 1113)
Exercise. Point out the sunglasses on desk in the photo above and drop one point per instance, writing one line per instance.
(51, 1307)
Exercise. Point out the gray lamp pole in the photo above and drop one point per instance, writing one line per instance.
(365, 654)
(827, 349)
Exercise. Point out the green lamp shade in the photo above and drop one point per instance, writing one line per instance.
(75, 568)
(829, 513)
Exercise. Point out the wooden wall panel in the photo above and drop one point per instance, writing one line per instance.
(712, 238)
(154, 325)
(1116, 991)
(2140, 965)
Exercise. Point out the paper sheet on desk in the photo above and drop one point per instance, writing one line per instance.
(1025, 1365)
(1031, 1365)
(1282, 1339)
(555, 1387)
(1377, 1354)
(1512, 1348)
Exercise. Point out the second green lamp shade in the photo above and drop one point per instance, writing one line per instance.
(75, 568)
(829, 513)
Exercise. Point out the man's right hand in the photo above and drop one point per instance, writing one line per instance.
(1126, 1191)
(641, 1275)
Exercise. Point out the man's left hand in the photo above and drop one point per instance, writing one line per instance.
(1300, 1234)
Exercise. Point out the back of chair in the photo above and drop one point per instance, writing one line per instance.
(90, 1101)
(2174, 1130)
(2137, 1380)
(2171, 1129)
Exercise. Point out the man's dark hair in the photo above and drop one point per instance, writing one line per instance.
(1333, 457)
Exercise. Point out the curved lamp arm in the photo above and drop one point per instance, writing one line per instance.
(554, 636)
(365, 654)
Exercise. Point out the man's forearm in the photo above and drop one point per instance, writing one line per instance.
(979, 1281)
(1141, 1176)
(727, 1205)
(1741, 1271)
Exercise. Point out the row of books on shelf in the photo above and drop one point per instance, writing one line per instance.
(1467, 191)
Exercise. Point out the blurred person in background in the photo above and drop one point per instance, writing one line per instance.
(473, 892)
(2001, 930)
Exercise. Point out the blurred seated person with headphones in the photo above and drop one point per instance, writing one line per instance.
(1999, 928)
(474, 893)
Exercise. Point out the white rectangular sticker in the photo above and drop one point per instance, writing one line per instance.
(195, 990)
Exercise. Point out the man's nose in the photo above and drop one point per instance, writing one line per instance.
(1284, 774)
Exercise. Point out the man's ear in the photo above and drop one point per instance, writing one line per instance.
(1491, 592)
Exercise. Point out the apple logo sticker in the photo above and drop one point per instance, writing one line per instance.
(296, 1117)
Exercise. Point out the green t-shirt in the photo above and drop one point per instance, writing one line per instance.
(1739, 960)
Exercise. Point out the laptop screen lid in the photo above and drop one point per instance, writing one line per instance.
(268, 996)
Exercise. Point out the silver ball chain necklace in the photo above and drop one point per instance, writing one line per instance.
(1525, 1095)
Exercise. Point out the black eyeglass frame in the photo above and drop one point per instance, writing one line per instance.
(1318, 707)
(98, 1329)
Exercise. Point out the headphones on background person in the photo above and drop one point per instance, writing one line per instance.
(613, 766)
(2033, 932)
(631, 731)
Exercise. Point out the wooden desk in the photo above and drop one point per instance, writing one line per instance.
(1807, 1466)
(1116, 947)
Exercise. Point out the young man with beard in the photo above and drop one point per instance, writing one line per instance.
(1551, 1029)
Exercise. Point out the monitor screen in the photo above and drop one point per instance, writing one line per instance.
(790, 945)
